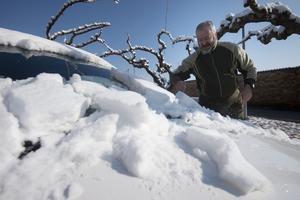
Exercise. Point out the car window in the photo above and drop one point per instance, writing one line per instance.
(17, 66)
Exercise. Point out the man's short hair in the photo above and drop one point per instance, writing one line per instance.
(204, 24)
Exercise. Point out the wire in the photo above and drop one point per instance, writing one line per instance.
(166, 14)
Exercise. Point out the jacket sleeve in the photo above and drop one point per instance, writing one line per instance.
(245, 65)
(184, 70)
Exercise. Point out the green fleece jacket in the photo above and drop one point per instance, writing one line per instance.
(216, 71)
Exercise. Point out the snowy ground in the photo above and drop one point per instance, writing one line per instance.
(292, 129)
(147, 144)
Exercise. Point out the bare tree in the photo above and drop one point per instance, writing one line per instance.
(283, 22)
(129, 55)
(74, 32)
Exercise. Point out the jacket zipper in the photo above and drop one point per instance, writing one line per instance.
(218, 77)
(200, 78)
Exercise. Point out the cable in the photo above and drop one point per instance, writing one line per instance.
(166, 16)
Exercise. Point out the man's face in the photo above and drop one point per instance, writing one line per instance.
(206, 38)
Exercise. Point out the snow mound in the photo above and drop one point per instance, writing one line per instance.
(139, 142)
(10, 137)
(150, 91)
(160, 142)
(56, 110)
(232, 166)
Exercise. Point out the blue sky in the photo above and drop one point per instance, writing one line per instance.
(143, 19)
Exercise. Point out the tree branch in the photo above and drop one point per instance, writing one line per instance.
(129, 54)
(284, 22)
(79, 30)
(54, 19)
(188, 39)
(74, 32)
(161, 65)
(266, 34)
(93, 39)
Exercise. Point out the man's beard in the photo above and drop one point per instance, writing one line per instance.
(209, 48)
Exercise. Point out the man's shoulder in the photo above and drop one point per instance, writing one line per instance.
(229, 45)
(192, 57)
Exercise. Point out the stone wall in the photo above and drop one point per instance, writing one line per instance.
(278, 88)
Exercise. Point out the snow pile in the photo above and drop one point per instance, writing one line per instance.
(27, 102)
(34, 43)
(10, 135)
(139, 141)
(10, 138)
(231, 165)
(149, 90)
(83, 124)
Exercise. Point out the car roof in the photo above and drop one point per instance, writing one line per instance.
(15, 41)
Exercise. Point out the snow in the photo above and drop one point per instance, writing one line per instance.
(34, 43)
(279, 7)
(232, 167)
(27, 102)
(10, 138)
(292, 129)
(295, 17)
(140, 144)
(149, 90)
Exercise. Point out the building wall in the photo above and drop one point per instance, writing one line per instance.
(274, 88)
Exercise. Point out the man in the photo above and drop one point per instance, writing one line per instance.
(215, 65)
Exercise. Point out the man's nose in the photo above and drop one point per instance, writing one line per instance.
(205, 43)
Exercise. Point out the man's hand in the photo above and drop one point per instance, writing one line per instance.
(246, 93)
(178, 86)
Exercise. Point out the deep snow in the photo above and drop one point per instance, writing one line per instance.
(140, 144)
(110, 143)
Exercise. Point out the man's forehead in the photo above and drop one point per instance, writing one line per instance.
(203, 32)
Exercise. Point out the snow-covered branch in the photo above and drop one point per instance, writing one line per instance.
(266, 34)
(74, 32)
(283, 22)
(54, 19)
(79, 30)
(129, 54)
(188, 39)
(93, 39)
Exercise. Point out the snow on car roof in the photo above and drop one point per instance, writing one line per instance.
(35, 43)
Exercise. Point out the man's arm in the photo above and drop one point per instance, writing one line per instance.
(182, 72)
(246, 66)
(248, 70)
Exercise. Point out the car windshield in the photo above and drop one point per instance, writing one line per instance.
(22, 65)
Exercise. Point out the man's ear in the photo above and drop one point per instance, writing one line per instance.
(215, 35)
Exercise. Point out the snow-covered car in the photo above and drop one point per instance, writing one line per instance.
(21, 58)
(97, 133)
